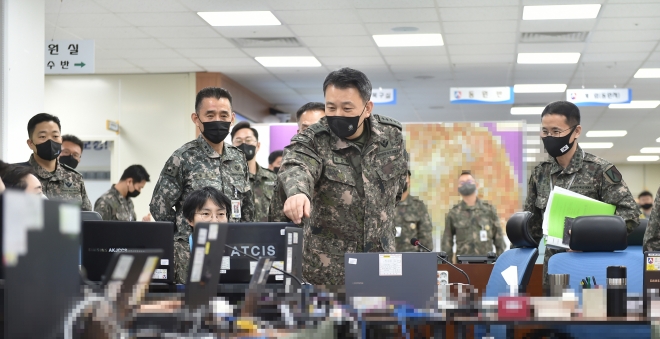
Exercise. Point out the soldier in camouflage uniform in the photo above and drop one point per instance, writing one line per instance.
(205, 161)
(652, 235)
(572, 168)
(262, 181)
(412, 221)
(347, 173)
(473, 221)
(116, 203)
(203, 205)
(58, 181)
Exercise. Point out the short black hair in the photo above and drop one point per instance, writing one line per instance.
(74, 139)
(645, 194)
(39, 118)
(310, 106)
(197, 198)
(136, 172)
(211, 92)
(14, 176)
(565, 108)
(347, 77)
(467, 172)
(409, 174)
(241, 125)
(3, 166)
(273, 156)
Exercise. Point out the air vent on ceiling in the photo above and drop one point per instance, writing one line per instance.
(531, 37)
(267, 42)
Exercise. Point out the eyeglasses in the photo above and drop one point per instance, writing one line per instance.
(207, 216)
(249, 141)
(555, 133)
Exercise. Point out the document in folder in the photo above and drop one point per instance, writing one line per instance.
(564, 204)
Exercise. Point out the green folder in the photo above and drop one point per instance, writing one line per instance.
(570, 205)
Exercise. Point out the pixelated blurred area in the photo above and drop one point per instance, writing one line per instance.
(492, 151)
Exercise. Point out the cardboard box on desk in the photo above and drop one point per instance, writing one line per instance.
(513, 307)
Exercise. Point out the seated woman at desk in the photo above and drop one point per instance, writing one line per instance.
(206, 204)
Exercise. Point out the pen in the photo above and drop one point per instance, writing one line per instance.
(588, 282)
(594, 279)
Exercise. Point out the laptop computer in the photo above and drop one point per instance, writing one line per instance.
(280, 241)
(100, 239)
(409, 277)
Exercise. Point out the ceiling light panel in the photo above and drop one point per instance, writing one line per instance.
(650, 150)
(595, 145)
(526, 110)
(643, 158)
(637, 104)
(648, 73)
(539, 88)
(288, 61)
(249, 18)
(560, 12)
(408, 40)
(603, 134)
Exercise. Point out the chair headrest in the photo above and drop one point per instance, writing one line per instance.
(599, 233)
(90, 215)
(518, 231)
(636, 238)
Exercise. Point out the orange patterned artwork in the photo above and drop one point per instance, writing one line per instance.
(439, 152)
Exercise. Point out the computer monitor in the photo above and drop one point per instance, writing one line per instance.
(409, 277)
(281, 241)
(100, 239)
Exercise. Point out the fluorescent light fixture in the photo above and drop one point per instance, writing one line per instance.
(539, 88)
(648, 73)
(603, 134)
(557, 12)
(532, 142)
(657, 140)
(548, 58)
(408, 40)
(532, 150)
(250, 18)
(526, 110)
(592, 145)
(650, 150)
(643, 158)
(533, 128)
(530, 159)
(288, 61)
(637, 104)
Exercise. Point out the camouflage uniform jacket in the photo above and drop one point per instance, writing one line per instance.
(181, 260)
(413, 220)
(586, 174)
(263, 186)
(466, 223)
(113, 206)
(196, 165)
(652, 235)
(64, 184)
(353, 193)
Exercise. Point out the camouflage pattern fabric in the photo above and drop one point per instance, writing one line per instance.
(276, 209)
(413, 218)
(113, 206)
(181, 261)
(466, 223)
(196, 165)
(64, 184)
(353, 193)
(593, 177)
(263, 186)
(652, 235)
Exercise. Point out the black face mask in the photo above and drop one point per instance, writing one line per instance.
(276, 169)
(558, 146)
(133, 194)
(344, 127)
(249, 150)
(69, 160)
(49, 150)
(646, 206)
(216, 131)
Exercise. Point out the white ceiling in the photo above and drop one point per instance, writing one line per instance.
(482, 39)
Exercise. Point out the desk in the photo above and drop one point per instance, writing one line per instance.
(461, 323)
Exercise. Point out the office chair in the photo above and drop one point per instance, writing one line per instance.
(89, 215)
(523, 256)
(636, 238)
(603, 241)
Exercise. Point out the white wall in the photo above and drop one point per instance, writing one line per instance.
(640, 177)
(22, 84)
(153, 112)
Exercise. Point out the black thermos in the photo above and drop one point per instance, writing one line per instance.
(617, 289)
